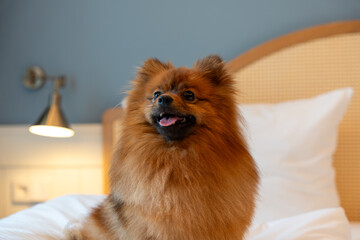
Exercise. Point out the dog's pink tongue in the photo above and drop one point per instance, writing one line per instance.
(167, 121)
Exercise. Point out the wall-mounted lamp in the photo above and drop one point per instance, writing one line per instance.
(52, 123)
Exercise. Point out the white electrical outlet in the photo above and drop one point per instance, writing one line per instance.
(32, 190)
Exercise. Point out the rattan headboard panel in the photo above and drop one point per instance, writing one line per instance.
(304, 70)
(299, 65)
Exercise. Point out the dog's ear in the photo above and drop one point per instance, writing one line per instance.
(151, 67)
(213, 68)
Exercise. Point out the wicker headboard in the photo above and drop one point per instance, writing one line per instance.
(299, 65)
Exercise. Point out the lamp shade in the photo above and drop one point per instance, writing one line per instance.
(52, 123)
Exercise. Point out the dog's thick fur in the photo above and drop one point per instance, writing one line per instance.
(198, 183)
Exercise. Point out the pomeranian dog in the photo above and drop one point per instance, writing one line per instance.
(182, 170)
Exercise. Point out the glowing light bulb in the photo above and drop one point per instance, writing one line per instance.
(51, 131)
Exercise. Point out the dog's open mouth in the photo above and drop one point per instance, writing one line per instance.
(167, 120)
(174, 126)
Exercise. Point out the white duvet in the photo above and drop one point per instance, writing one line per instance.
(47, 221)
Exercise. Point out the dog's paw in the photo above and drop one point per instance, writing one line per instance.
(72, 231)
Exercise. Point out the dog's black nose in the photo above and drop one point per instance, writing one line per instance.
(165, 100)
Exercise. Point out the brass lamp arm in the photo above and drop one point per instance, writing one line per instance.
(35, 77)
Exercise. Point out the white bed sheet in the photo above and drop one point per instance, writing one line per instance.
(47, 221)
(355, 230)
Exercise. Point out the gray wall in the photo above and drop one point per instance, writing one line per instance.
(98, 44)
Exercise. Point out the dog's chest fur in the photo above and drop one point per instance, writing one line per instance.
(177, 193)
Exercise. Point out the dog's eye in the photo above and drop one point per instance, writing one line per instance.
(189, 95)
(157, 94)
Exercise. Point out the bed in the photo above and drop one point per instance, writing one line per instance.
(300, 97)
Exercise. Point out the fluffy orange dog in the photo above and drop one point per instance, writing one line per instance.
(182, 170)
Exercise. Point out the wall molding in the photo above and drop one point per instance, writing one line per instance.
(10, 165)
(19, 148)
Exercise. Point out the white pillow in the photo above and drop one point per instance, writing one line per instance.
(293, 143)
(328, 223)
